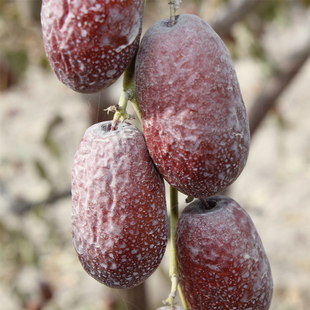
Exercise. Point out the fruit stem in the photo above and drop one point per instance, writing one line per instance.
(128, 93)
(182, 297)
(206, 204)
(129, 84)
(173, 269)
(174, 5)
(135, 105)
(120, 109)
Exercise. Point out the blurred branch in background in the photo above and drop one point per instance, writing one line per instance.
(20, 207)
(276, 84)
(230, 14)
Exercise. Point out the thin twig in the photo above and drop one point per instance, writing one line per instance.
(230, 14)
(20, 207)
(275, 86)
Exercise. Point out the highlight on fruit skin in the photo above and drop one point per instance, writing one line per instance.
(89, 44)
(193, 116)
(221, 259)
(119, 217)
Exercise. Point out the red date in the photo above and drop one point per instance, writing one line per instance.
(193, 115)
(119, 216)
(221, 258)
(89, 44)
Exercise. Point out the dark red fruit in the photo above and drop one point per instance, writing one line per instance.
(221, 258)
(193, 115)
(119, 217)
(89, 44)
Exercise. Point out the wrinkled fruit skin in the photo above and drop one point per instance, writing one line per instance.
(119, 217)
(194, 119)
(222, 261)
(89, 44)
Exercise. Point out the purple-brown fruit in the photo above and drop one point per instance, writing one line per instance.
(89, 43)
(119, 217)
(221, 259)
(194, 119)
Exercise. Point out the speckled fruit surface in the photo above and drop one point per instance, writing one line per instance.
(222, 261)
(119, 216)
(89, 44)
(194, 119)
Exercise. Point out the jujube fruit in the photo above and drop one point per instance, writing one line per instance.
(119, 217)
(221, 259)
(193, 116)
(89, 44)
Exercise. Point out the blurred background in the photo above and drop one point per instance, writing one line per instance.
(42, 122)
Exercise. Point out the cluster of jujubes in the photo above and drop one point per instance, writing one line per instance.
(195, 136)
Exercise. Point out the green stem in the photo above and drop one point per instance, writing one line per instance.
(174, 215)
(120, 109)
(129, 85)
(128, 93)
(173, 269)
(182, 297)
(135, 105)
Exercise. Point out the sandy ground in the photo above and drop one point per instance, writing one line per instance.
(274, 188)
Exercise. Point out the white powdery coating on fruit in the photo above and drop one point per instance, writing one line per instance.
(86, 39)
(193, 115)
(119, 220)
(222, 259)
